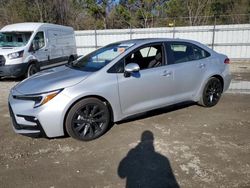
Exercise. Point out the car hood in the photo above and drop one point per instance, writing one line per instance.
(51, 80)
(8, 50)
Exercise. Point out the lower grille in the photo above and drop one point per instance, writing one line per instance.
(15, 124)
(2, 60)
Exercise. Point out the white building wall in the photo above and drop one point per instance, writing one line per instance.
(232, 40)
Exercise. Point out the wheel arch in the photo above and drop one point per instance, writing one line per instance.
(220, 78)
(31, 62)
(201, 98)
(197, 96)
(85, 97)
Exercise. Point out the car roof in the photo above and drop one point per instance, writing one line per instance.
(142, 41)
(149, 40)
(28, 26)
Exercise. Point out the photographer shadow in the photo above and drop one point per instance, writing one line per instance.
(143, 167)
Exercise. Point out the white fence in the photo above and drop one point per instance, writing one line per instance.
(233, 40)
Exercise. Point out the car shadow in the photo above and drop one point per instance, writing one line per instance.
(19, 79)
(156, 112)
(144, 167)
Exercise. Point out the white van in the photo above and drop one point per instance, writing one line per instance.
(26, 48)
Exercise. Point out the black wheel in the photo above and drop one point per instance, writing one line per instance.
(71, 59)
(32, 69)
(211, 93)
(88, 119)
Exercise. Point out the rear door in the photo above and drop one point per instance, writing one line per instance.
(151, 87)
(189, 64)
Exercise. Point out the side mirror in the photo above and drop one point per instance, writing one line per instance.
(131, 68)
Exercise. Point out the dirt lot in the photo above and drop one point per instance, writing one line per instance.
(193, 147)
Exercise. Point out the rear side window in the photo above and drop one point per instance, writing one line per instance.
(179, 52)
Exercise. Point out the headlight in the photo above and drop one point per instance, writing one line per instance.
(39, 99)
(15, 55)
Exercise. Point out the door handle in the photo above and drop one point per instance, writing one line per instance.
(166, 73)
(46, 49)
(202, 65)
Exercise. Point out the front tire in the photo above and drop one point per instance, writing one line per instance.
(70, 60)
(211, 93)
(32, 69)
(88, 119)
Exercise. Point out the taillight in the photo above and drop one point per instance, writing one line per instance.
(227, 61)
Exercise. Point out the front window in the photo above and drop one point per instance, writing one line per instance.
(147, 57)
(101, 57)
(38, 41)
(14, 39)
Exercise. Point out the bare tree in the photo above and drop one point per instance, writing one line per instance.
(198, 11)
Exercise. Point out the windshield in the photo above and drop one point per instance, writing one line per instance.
(14, 39)
(101, 57)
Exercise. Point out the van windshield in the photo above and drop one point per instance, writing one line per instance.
(101, 57)
(14, 39)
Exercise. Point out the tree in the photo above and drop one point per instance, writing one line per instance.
(120, 17)
(196, 11)
(145, 10)
(230, 11)
(104, 14)
(99, 10)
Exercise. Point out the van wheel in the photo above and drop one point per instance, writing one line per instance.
(32, 69)
(71, 59)
(88, 119)
(211, 93)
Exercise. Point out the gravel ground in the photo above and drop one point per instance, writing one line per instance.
(192, 147)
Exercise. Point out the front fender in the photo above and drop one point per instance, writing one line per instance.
(30, 58)
(108, 91)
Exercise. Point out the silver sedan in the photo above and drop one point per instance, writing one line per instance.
(125, 78)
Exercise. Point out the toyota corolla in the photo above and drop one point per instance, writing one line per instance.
(125, 78)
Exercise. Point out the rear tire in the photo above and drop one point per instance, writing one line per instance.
(88, 119)
(32, 69)
(211, 93)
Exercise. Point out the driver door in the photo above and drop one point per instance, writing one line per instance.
(149, 88)
(40, 50)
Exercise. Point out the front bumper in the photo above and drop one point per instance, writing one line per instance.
(15, 70)
(34, 130)
(44, 121)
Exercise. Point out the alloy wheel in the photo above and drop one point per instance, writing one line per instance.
(212, 92)
(88, 119)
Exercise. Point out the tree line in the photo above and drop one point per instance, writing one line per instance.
(109, 14)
